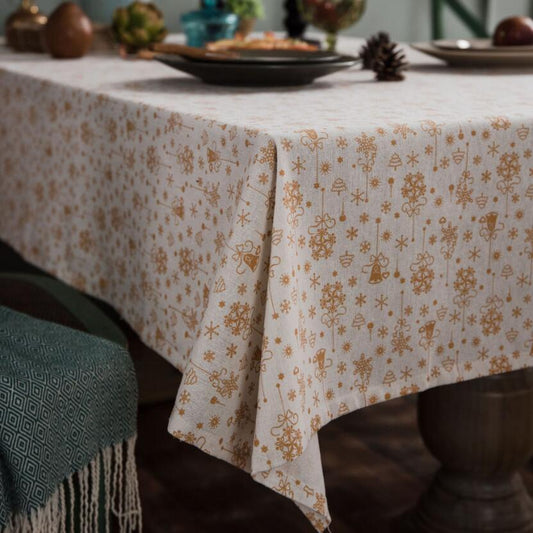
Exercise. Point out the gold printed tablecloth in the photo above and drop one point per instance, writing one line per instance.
(297, 254)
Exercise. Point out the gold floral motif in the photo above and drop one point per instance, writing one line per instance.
(320, 504)
(464, 190)
(159, 259)
(238, 320)
(509, 172)
(322, 240)
(491, 316)
(292, 200)
(413, 191)
(268, 155)
(363, 368)
(288, 436)
(224, 386)
(449, 239)
(366, 146)
(185, 159)
(400, 339)
(188, 264)
(332, 302)
(400, 336)
(499, 364)
(465, 287)
(422, 274)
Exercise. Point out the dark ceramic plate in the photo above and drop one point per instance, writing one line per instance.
(477, 58)
(260, 74)
(276, 56)
(479, 45)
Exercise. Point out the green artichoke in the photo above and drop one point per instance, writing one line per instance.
(138, 25)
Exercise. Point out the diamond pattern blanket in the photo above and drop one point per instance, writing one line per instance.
(67, 428)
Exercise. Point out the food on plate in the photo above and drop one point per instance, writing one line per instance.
(514, 31)
(268, 42)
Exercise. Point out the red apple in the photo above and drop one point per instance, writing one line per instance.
(514, 31)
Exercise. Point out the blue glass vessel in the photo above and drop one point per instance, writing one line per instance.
(208, 24)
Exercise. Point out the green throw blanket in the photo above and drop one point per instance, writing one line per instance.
(68, 403)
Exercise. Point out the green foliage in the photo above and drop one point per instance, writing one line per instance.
(138, 25)
(246, 9)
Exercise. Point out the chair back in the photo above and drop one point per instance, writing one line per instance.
(476, 22)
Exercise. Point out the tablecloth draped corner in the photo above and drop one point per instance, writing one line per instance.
(291, 479)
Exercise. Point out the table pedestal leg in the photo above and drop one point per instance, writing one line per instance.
(482, 433)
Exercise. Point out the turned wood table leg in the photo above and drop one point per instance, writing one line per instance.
(482, 433)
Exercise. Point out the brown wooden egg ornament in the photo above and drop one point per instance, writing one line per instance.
(69, 32)
(514, 31)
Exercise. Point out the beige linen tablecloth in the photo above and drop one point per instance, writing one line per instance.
(296, 253)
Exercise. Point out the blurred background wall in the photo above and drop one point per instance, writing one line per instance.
(406, 20)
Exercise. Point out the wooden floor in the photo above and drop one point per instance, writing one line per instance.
(375, 467)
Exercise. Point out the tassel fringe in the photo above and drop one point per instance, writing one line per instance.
(112, 470)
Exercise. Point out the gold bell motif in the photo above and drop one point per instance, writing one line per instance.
(320, 358)
(251, 260)
(491, 219)
(212, 156)
(428, 329)
(376, 274)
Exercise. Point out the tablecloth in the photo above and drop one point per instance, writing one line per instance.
(297, 253)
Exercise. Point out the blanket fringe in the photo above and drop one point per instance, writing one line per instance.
(112, 470)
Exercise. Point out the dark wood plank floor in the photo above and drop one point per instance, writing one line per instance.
(375, 467)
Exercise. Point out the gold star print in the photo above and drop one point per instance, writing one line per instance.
(381, 302)
(212, 330)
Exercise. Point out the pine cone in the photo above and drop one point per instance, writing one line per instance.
(389, 63)
(370, 50)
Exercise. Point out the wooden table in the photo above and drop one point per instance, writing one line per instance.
(297, 253)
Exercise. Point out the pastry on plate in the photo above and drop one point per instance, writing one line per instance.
(268, 42)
